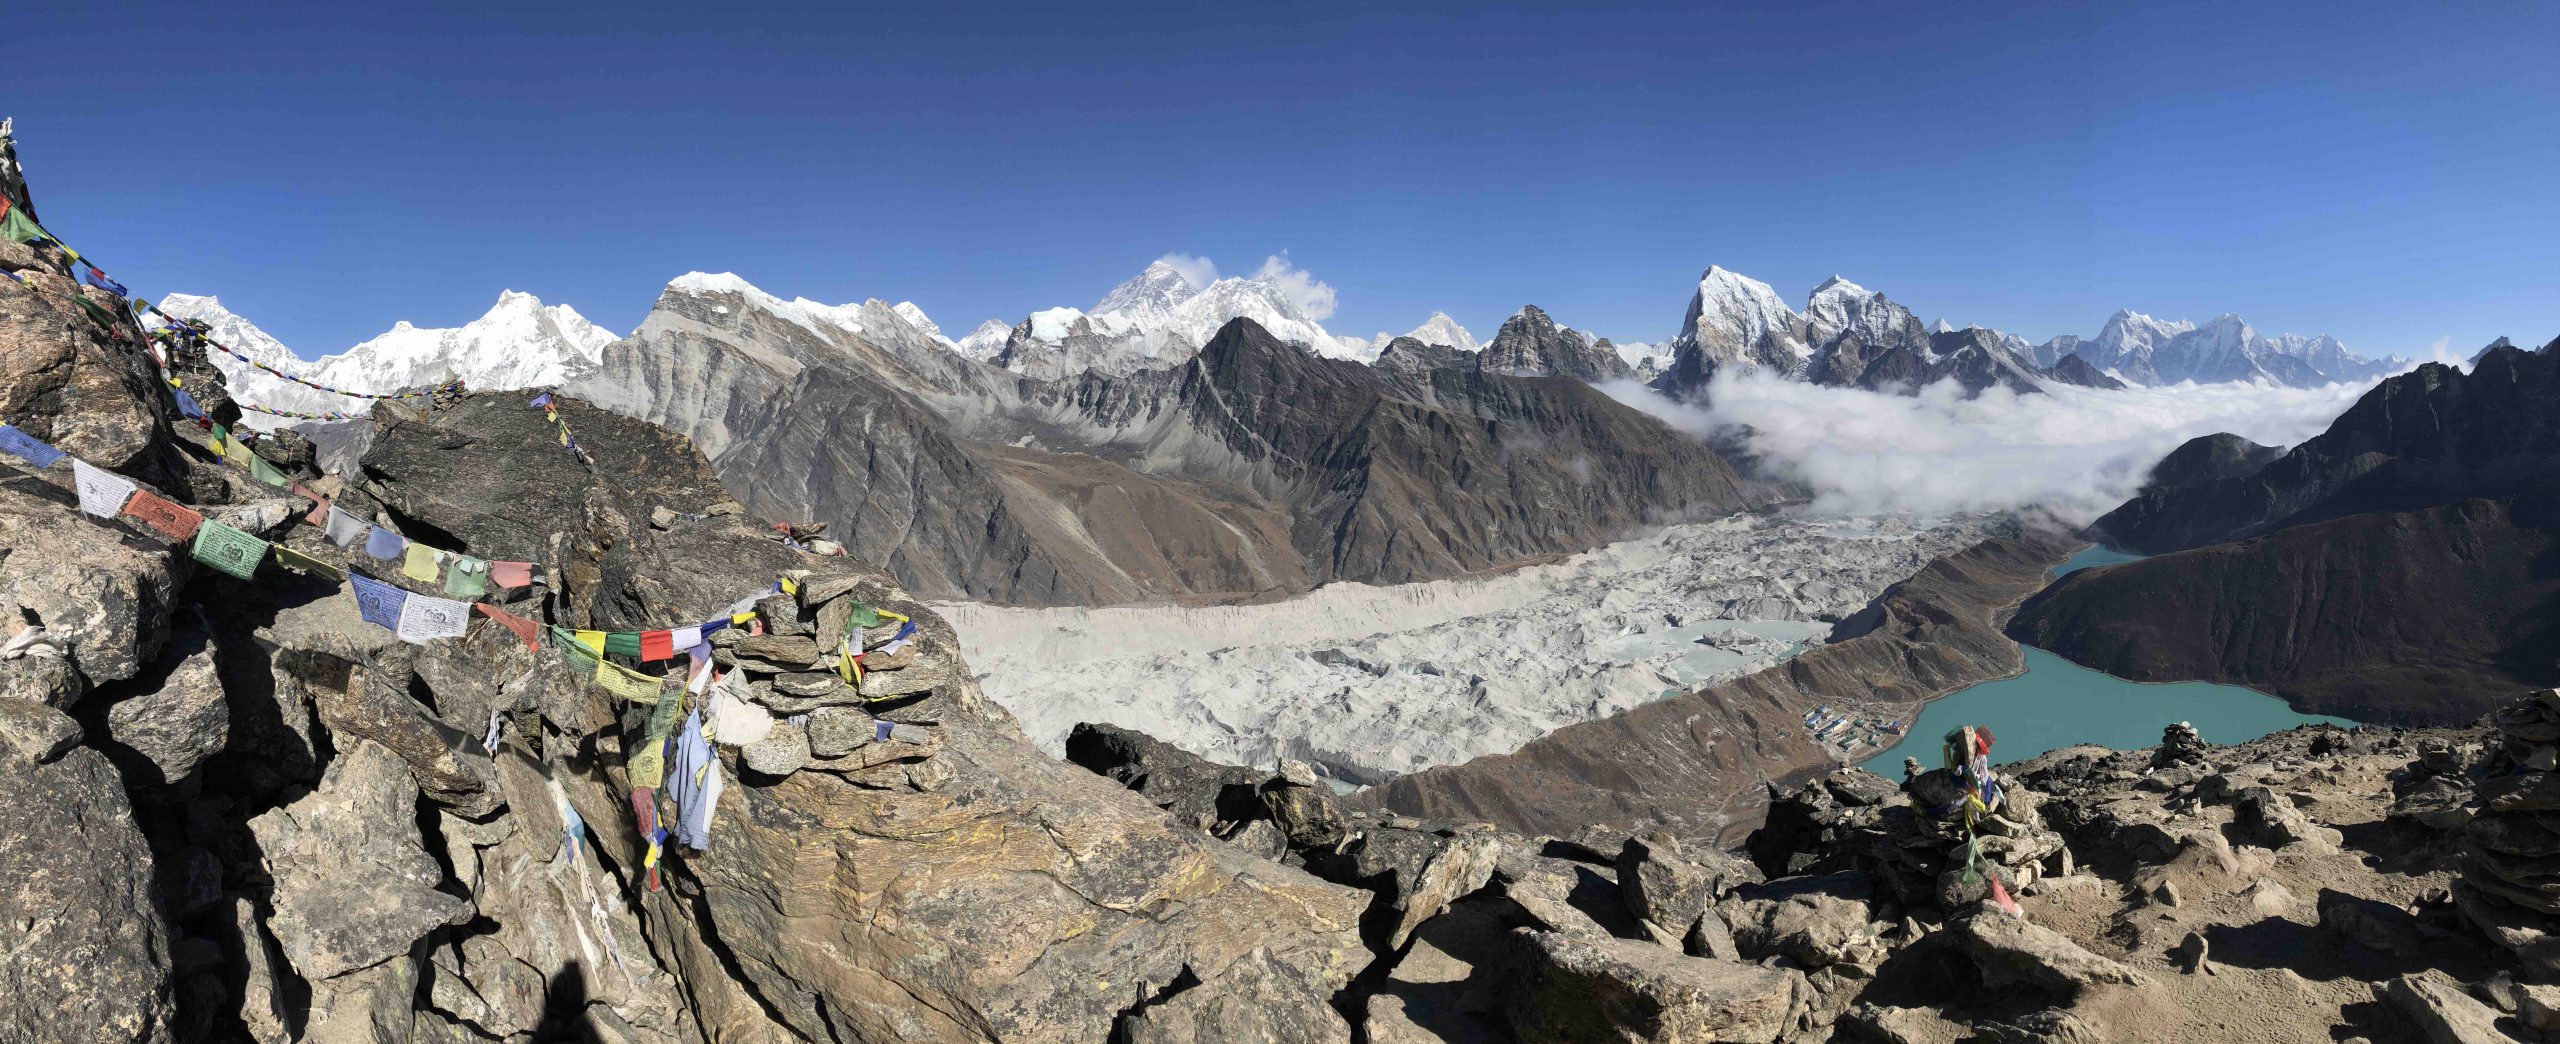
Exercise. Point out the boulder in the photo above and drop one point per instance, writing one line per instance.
(2261, 817)
(2442, 1012)
(2008, 952)
(1200, 793)
(175, 715)
(2375, 925)
(1815, 922)
(34, 732)
(1265, 1001)
(110, 600)
(85, 956)
(1560, 988)
(1463, 864)
(1669, 887)
(353, 886)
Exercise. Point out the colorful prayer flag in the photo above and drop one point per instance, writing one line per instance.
(575, 652)
(657, 645)
(168, 518)
(386, 545)
(27, 447)
(420, 563)
(523, 628)
(426, 617)
(511, 574)
(622, 643)
(344, 528)
(629, 684)
(102, 492)
(305, 564)
(379, 603)
(468, 578)
(228, 549)
(262, 471)
(319, 515)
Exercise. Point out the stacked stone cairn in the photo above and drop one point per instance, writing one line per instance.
(2510, 885)
(2180, 744)
(792, 670)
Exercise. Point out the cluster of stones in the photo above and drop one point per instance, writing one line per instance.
(794, 671)
(2180, 744)
(2510, 885)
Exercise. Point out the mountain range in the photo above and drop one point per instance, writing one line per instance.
(1253, 468)
(1846, 336)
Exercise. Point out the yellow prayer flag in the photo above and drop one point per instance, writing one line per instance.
(629, 684)
(593, 640)
(420, 563)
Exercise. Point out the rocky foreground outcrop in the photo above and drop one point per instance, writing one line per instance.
(235, 809)
(2300, 887)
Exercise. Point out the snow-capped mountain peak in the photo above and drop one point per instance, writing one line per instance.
(1942, 326)
(518, 343)
(1442, 330)
(915, 316)
(231, 330)
(1159, 289)
(984, 342)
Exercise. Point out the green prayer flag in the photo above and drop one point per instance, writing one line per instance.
(262, 471)
(580, 659)
(467, 577)
(622, 643)
(221, 440)
(864, 616)
(228, 549)
(662, 718)
(17, 227)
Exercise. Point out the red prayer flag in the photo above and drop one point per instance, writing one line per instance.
(511, 574)
(319, 515)
(166, 517)
(524, 629)
(657, 645)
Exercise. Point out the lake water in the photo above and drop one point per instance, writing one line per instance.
(2058, 703)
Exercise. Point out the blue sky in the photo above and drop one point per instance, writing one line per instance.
(2386, 172)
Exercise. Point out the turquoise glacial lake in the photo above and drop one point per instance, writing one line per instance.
(2058, 703)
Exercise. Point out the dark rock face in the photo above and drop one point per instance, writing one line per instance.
(2072, 369)
(1693, 764)
(2427, 437)
(2412, 617)
(87, 953)
(1253, 468)
(1532, 345)
(2210, 458)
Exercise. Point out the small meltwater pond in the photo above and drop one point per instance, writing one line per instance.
(2057, 703)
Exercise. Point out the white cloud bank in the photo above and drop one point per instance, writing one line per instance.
(2075, 453)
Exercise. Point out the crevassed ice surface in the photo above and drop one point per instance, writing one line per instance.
(1367, 683)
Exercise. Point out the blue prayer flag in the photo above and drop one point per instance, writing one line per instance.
(379, 603)
(187, 406)
(540, 401)
(20, 444)
(385, 544)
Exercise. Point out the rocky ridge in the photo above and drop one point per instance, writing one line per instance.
(1251, 470)
(2293, 888)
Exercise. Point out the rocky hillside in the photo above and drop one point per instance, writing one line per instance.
(2315, 885)
(2420, 617)
(2430, 436)
(1253, 469)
